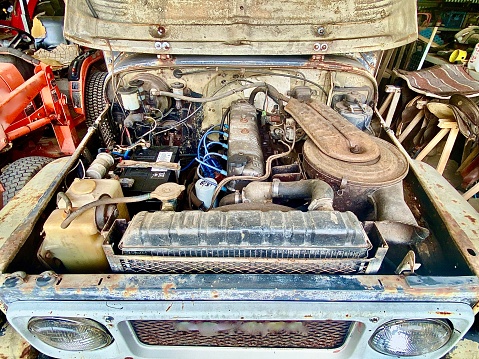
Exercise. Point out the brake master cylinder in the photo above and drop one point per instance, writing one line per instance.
(78, 248)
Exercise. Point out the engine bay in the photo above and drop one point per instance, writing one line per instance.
(221, 169)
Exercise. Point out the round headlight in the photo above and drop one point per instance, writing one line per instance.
(411, 337)
(72, 334)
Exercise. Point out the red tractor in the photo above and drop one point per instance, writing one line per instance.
(32, 104)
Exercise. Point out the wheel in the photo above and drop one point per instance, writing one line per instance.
(95, 104)
(95, 101)
(18, 173)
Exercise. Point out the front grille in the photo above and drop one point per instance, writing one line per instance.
(315, 334)
(150, 264)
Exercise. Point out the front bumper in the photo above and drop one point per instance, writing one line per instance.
(117, 316)
(365, 302)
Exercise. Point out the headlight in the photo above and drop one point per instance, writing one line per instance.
(411, 337)
(72, 334)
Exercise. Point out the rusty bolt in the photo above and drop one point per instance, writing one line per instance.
(374, 319)
(161, 31)
(166, 46)
(244, 131)
(321, 31)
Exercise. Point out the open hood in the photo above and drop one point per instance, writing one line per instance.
(241, 27)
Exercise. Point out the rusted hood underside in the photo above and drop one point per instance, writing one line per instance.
(244, 27)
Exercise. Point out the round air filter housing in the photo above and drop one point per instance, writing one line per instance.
(354, 181)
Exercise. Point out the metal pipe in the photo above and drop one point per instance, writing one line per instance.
(35, 125)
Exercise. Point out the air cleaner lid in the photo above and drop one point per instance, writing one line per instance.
(391, 167)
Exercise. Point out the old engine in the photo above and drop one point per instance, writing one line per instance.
(237, 171)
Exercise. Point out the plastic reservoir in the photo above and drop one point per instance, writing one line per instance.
(79, 247)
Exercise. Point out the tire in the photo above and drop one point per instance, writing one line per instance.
(18, 173)
(95, 104)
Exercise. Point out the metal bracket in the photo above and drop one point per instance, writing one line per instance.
(408, 264)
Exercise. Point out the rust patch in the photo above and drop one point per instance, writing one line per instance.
(308, 316)
(27, 352)
(443, 313)
(130, 291)
(167, 287)
(472, 219)
(215, 294)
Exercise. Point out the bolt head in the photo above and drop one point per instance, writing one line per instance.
(158, 45)
(321, 31)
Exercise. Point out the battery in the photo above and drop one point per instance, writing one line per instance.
(136, 181)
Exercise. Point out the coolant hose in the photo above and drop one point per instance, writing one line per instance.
(320, 192)
(268, 91)
(102, 202)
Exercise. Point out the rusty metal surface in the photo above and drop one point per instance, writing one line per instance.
(18, 217)
(447, 208)
(335, 136)
(460, 219)
(317, 334)
(246, 27)
(198, 287)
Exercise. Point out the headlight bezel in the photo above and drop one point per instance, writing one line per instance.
(445, 324)
(37, 323)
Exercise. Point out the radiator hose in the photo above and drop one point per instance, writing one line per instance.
(320, 193)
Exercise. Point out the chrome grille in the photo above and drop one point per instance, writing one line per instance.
(315, 334)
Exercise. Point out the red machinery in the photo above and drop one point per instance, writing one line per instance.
(20, 114)
(30, 103)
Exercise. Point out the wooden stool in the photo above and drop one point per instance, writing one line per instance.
(471, 192)
(446, 126)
